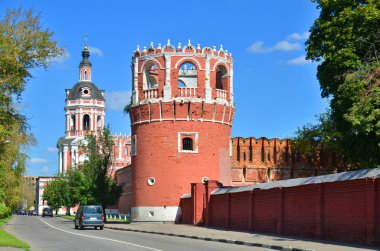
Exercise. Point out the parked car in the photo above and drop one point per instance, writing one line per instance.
(21, 212)
(89, 216)
(32, 213)
(47, 211)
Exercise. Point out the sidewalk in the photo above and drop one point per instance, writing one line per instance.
(235, 237)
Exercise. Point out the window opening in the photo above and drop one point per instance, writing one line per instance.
(126, 150)
(221, 78)
(151, 76)
(187, 75)
(72, 122)
(181, 84)
(86, 122)
(187, 144)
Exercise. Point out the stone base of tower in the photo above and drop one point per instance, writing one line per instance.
(155, 214)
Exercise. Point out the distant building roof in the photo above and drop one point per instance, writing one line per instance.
(353, 175)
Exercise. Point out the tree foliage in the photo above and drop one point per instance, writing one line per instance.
(90, 182)
(24, 45)
(345, 40)
(104, 189)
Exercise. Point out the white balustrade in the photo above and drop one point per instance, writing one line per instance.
(222, 94)
(187, 92)
(151, 93)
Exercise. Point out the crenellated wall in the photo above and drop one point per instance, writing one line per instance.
(262, 160)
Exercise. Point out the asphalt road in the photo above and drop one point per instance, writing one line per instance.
(59, 234)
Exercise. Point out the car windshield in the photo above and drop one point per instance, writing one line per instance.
(47, 209)
(93, 210)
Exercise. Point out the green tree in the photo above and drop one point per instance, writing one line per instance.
(24, 45)
(55, 193)
(104, 190)
(28, 193)
(345, 40)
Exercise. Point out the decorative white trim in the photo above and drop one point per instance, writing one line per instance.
(181, 135)
(189, 59)
(151, 181)
(183, 55)
(148, 59)
(220, 62)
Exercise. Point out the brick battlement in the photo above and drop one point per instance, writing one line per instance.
(261, 160)
(182, 51)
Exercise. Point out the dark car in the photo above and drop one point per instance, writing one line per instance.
(47, 211)
(32, 213)
(21, 212)
(89, 216)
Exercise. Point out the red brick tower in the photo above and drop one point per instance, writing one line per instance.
(181, 116)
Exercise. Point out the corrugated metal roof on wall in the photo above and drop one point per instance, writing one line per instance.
(353, 175)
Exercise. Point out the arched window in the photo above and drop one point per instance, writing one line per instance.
(187, 144)
(72, 122)
(85, 75)
(187, 75)
(221, 78)
(99, 123)
(86, 122)
(151, 76)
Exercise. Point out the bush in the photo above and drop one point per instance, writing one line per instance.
(4, 211)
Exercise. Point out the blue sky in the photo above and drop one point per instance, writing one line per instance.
(275, 88)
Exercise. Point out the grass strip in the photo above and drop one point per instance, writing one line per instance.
(8, 240)
(69, 217)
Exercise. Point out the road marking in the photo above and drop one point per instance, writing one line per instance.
(102, 238)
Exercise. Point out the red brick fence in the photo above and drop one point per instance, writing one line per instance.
(343, 207)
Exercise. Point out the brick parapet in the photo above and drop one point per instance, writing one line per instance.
(261, 160)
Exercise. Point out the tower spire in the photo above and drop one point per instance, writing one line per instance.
(85, 66)
(85, 42)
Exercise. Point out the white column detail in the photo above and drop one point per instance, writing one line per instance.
(232, 84)
(67, 121)
(208, 89)
(64, 167)
(167, 87)
(92, 120)
(60, 160)
(135, 92)
(76, 122)
(80, 122)
(103, 116)
(120, 148)
(74, 158)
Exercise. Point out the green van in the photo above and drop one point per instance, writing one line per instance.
(89, 216)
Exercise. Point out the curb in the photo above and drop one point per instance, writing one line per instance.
(244, 243)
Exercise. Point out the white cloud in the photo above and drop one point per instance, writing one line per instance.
(287, 46)
(298, 61)
(258, 47)
(60, 59)
(299, 36)
(117, 100)
(38, 161)
(51, 149)
(96, 51)
(44, 170)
